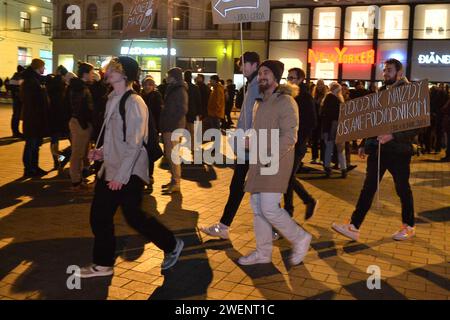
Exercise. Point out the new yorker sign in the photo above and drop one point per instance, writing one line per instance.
(393, 110)
(342, 56)
(236, 11)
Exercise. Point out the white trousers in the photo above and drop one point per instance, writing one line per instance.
(268, 213)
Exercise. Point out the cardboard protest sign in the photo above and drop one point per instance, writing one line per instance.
(236, 11)
(396, 109)
(140, 20)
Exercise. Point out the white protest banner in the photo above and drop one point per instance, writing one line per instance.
(399, 108)
(237, 11)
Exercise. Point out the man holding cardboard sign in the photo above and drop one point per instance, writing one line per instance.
(395, 148)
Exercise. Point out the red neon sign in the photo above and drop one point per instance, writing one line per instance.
(341, 56)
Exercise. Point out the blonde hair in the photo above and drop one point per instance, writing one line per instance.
(336, 89)
(115, 65)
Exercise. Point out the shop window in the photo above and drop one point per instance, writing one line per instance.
(46, 55)
(200, 65)
(323, 59)
(117, 16)
(97, 61)
(293, 54)
(357, 58)
(432, 21)
(360, 22)
(327, 23)
(394, 22)
(387, 50)
(289, 24)
(66, 60)
(24, 56)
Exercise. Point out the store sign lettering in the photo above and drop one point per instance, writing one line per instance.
(74, 20)
(365, 57)
(138, 51)
(433, 58)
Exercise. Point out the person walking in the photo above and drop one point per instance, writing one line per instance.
(395, 157)
(275, 110)
(123, 174)
(173, 117)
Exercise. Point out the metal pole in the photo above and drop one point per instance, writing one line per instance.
(243, 75)
(169, 32)
(378, 175)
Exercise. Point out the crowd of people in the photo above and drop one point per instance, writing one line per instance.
(126, 119)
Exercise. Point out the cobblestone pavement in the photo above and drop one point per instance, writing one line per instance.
(44, 229)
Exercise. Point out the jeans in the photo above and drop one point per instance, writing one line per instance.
(398, 166)
(236, 193)
(329, 146)
(295, 184)
(31, 154)
(129, 198)
(268, 213)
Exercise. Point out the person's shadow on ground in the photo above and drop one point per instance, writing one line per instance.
(191, 276)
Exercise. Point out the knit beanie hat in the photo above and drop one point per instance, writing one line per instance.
(277, 68)
(130, 67)
(37, 63)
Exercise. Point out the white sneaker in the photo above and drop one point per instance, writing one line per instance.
(253, 258)
(346, 229)
(170, 259)
(300, 249)
(96, 271)
(216, 230)
(405, 233)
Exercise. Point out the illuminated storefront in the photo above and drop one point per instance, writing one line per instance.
(352, 42)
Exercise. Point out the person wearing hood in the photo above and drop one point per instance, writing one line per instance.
(35, 112)
(81, 106)
(173, 117)
(275, 112)
(396, 152)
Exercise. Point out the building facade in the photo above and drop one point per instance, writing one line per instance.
(197, 44)
(25, 33)
(332, 41)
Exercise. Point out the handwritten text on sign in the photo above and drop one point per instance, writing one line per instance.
(397, 109)
(140, 19)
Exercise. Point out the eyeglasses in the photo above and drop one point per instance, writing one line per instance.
(292, 78)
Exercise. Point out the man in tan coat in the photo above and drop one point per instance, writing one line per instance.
(277, 114)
